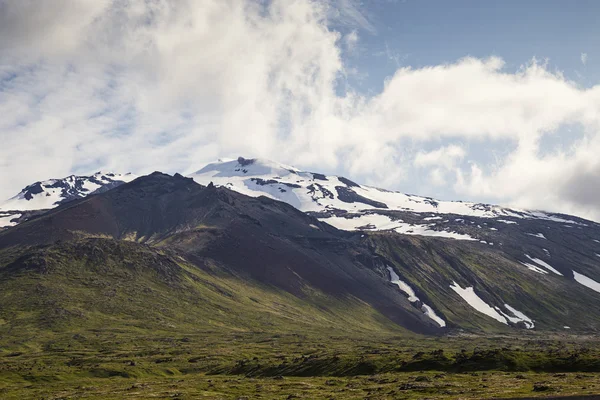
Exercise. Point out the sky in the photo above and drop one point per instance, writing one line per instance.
(495, 101)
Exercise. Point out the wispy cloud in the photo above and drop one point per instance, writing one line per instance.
(350, 41)
(351, 13)
(584, 58)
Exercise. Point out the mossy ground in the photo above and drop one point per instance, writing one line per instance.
(106, 364)
(385, 386)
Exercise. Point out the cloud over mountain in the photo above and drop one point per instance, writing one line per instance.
(170, 85)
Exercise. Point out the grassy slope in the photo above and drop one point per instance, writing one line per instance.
(93, 284)
(114, 319)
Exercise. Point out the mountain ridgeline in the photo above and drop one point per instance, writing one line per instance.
(252, 248)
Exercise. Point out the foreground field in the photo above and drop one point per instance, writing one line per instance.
(114, 365)
(431, 385)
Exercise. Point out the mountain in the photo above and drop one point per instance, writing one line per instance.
(545, 248)
(420, 264)
(180, 230)
(53, 192)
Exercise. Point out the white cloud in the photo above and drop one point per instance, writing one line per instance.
(439, 162)
(444, 156)
(172, 85)
(567, 180)
(584, 58)
(52, 28)
(158, 85)
(438, 177)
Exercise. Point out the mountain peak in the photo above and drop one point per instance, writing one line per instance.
(247, 167)
(53, 192)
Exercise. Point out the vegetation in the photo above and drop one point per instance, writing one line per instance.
(100, 318)
(117, 363)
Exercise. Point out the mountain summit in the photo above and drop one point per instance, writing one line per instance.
(348, 205)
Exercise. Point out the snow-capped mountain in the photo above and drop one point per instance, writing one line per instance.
(559, 246)
(53, 192)
(506, 267)
(350, 206)
(336, 200)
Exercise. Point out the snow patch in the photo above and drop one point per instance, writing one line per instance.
(547, 252)
(423, 230)
(507, 221)
(363, 222)
(5, 220)
(431, 314)
(553, 218)
(405, 287)
(371, 221)
(518, 316)
(588, 282)
(538, 235)
(544, 264)
(535, 268)
(468, 294)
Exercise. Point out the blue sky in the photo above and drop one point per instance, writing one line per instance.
(421, 33)
(430, 32)
(486, 101)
